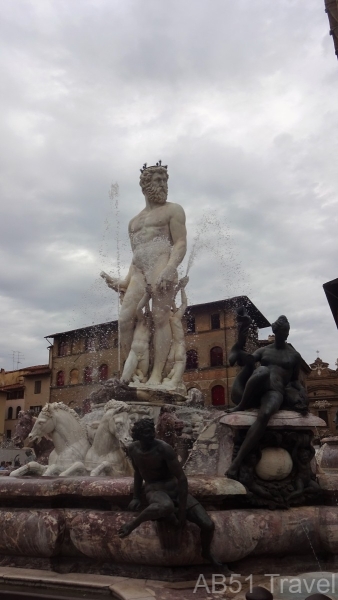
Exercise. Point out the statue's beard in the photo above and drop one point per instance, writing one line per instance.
(157, 194)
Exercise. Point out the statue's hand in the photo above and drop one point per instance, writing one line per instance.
(134, 505)
(166, 278)
(183, 282)
(124, 531)
(116, 284)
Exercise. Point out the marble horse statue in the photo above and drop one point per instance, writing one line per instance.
(81, 449)
(107, 455)
(42, 448)
(60, 423)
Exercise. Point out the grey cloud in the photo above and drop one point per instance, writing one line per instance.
(238, 98)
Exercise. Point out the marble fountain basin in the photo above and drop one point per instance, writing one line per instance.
(78, 518)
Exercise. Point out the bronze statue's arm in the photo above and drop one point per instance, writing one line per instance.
(138, 480)
(237, 353)
(135, 504)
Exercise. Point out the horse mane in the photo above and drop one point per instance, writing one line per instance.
(117, 406)
(50, 407)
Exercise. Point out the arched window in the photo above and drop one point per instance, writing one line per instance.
(18, 408)
(10, 413)
(217, 395)
(88, 375)
(74, 377)
(192, 360)
(103, 372)
(216, 356)
(60, 378)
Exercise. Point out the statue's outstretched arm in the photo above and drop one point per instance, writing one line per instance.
(237, 353)
(241, 357)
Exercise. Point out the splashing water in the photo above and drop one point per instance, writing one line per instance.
(114, 197)
(306, 531)
(213, 236)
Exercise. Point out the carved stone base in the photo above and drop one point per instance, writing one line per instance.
(278, 473)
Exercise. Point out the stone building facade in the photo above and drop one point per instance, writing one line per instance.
(80, 360)
(322, 388)
(83, 358)
(22, 389)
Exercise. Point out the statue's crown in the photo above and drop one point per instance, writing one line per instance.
(158, 164)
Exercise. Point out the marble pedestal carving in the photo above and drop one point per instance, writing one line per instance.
(279, 472)
(268, 479)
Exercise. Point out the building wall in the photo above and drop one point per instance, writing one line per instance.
(322, 388)
(10, 424)
(33, 399)
(82, 351)
(23, 381)
(77, 356)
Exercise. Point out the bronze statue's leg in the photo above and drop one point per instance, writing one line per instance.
(270, 404)
(198, 515)
(255, 386)
(160, 505)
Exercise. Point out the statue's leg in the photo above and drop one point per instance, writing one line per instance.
(270, 403)
(160, 506)
(74, 470)
(32, 468)
(143, 364)
(133, 295)
(162, 333)
(53, 471)
(255, 387)
(198, 515)
(129, 367)
(161, 305)
(168, 367)
(104, 469)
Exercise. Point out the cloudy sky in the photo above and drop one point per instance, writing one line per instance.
(238, 98)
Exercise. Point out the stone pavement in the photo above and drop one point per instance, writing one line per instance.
(70, 586)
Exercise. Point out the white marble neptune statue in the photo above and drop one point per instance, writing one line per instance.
(159, 241)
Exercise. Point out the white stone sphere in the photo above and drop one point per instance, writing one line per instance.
(275, 464)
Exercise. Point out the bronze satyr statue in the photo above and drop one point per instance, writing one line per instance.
(166, 488)
(269, 386)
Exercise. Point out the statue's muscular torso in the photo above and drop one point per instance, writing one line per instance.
(152, 464)
(283, 364)
(151, 224)
(152, 236)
